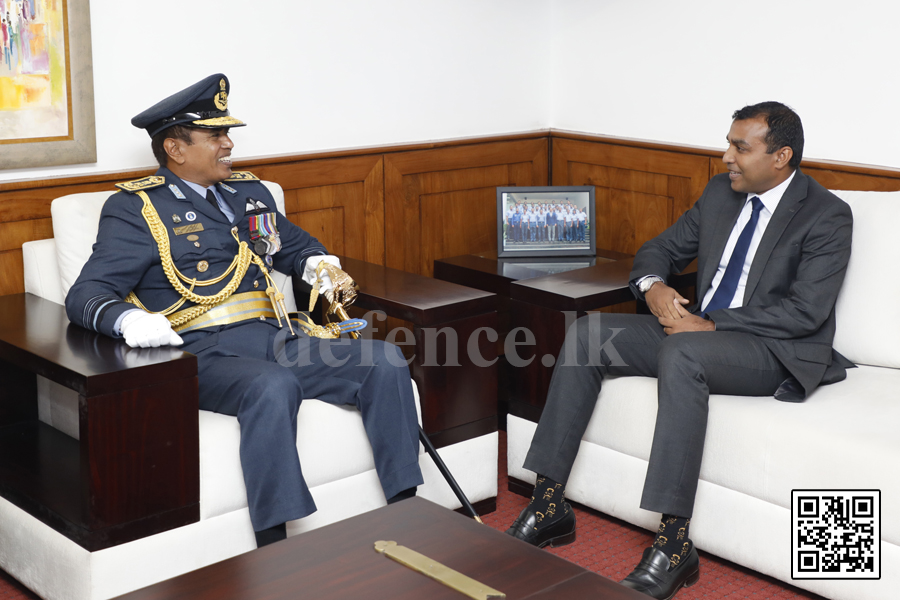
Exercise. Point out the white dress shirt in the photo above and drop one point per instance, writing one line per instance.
(770, 202)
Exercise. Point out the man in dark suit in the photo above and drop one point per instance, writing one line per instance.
(772, 248)
(183, 257)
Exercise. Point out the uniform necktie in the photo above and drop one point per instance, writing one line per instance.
(725, 292)
(211, 198)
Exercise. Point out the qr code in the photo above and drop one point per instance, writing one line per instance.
(836, 534)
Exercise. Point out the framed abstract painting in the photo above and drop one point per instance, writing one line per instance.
(46, 84)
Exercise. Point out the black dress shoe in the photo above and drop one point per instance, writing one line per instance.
(655, 576)
(556, 533)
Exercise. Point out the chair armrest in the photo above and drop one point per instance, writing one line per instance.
(135, 469)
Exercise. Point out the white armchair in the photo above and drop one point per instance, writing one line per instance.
(207, 518)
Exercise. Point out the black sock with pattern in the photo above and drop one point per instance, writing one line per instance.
(672, 538)
(548, 499)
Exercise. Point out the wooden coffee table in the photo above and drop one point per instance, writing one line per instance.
(338, 562)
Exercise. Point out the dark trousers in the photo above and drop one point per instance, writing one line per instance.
(240, 375)
(688, 366)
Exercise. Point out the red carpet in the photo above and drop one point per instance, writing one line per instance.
(10, 589)
(613, 548)
(606, 546)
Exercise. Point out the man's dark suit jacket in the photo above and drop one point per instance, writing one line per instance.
(794, 278)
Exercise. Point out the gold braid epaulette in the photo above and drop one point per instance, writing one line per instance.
(145, 183)
(242, 176)
(239, 265)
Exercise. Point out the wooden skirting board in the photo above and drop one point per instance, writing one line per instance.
(405, 206)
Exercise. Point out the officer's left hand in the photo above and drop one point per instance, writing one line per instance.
(309, 272)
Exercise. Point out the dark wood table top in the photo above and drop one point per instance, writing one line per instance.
(338, 562)
(36, 335)
(585, 289)
(590, 288)
(416, 298)
(487, 272)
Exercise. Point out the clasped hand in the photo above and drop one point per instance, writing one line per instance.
(667, 305)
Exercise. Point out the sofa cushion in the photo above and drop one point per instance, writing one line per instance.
(839, 438)
(331, 442)
(870, 278)
(76, 220)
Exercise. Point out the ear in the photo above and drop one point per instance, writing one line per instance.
(783, 157)
(173, 149)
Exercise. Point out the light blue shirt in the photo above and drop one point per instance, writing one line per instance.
(223, 206)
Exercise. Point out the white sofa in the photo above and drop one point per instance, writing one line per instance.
(845, 436)
(335, 453)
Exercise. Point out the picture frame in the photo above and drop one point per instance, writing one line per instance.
(546, 221)
(79, 145)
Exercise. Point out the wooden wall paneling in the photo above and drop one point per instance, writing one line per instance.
(12, 272)
(639, 191)
(25, 217)
(839, 177)
(442, 202)
(340, 201)
(404, 206)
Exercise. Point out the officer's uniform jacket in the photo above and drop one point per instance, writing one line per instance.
(126, 257)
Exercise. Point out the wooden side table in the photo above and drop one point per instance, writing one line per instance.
(546, 306)
(458, 396)
(488, 273)
(136, 469)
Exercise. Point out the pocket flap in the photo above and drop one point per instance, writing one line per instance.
(817, 353)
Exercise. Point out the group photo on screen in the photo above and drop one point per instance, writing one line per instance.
(542, 222)
(558, 222)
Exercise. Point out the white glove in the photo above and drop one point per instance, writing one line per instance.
(148, 330)
(309, 273)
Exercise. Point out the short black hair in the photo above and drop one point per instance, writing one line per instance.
(785, 128)
(178, 132)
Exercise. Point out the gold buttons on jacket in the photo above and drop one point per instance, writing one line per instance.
(255, 283)
(202, 266)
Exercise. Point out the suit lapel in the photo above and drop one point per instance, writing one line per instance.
(787, 208)
(728, 216)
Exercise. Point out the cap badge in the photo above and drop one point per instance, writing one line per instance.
(221, 99)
